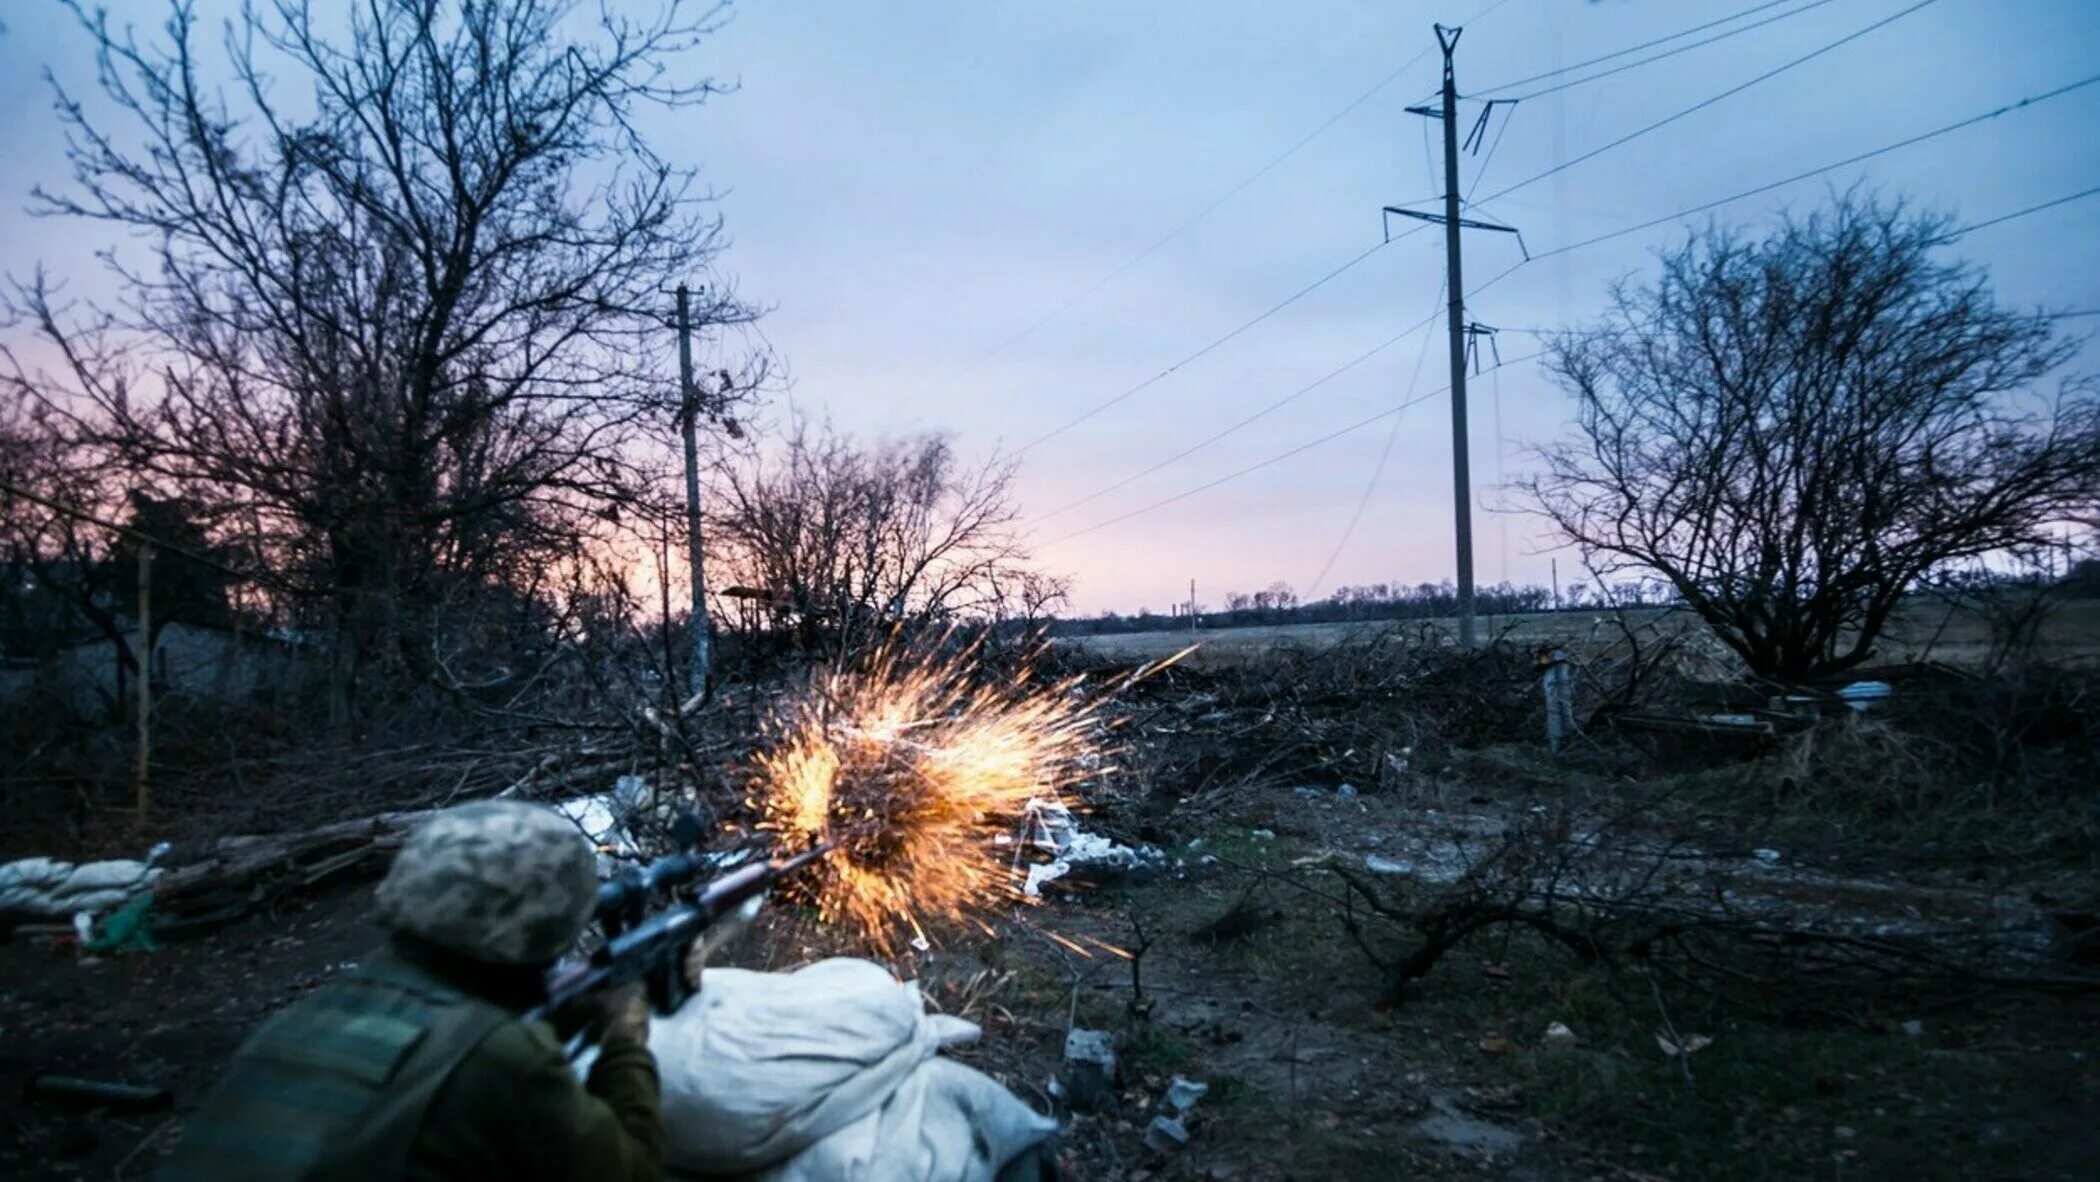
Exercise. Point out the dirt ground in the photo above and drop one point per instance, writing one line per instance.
(1308, 1076)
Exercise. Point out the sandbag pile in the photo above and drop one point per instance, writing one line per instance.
(46, 888)
(830, 1073)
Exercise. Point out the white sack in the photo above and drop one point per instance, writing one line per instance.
(829, 1073)
(947, 1123)
(48, 887)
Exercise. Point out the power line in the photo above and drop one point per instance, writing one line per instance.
(1251, 419)
(1704, 103)
(2021, 213)
(1185, 494)
(1293, 298)
(1189, 222)
(134, 534)
(1668, 53)
(1619, 53)
(1385, 454)
(1767, 187)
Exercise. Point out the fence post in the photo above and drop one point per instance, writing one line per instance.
(144, 652)
(1557, 677)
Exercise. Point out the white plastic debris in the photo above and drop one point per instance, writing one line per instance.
(1183, 1092)
(1914, 1028)
(1862, 695)
(1166, 1135)
(1768, 857)
(1559, 1032)
(1380, 864)
(607, 819)
(1263, 835)
(1346, 792)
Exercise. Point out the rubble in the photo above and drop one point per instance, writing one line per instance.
(1089, 1076)
(1078, 856)
(1183, 1092)
(1166, 1135)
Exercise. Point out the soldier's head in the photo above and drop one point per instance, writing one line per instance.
(496, 881)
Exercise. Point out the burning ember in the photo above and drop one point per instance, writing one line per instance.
(913, 765)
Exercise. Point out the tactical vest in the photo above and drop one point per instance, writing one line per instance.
(335, 1087)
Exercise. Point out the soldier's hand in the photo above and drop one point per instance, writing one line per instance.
(622, 1014)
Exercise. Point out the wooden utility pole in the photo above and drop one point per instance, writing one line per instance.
(689, 425)
(1461, 474)
(143, 650)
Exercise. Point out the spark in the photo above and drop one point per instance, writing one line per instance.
(913, 762)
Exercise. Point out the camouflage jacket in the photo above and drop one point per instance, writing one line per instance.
(401, 1071)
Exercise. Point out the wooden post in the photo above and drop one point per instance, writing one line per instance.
(144, 652)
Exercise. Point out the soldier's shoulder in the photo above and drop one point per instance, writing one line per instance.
(516, 1044)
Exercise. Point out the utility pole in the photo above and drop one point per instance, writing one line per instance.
(1455, 322)
(1192, 607)
(688, 424)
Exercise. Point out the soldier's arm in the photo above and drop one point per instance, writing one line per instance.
(551, 1126)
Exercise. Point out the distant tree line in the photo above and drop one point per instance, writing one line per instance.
(1278, 603)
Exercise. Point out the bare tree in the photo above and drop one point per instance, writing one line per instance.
(848, 537)
(398, 321)
(1794, 431)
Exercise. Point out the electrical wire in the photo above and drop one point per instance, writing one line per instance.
(1162, 375)
(1251, 419)
(1704, 103)
(1857, 158)
(1619, 53)
(1668, 53)
(2021, 213)
(1189, 222)
(1385, 454)
(1272, 461)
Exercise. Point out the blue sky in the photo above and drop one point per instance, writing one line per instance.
(910, 186)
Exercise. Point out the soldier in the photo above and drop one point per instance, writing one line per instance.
(417, 1065)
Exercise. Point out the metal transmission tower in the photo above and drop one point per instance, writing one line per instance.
(1455, 320)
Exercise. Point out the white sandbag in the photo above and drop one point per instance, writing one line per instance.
(48, 887)
(34, 874)
(102, 876)
(946, 1123)
(760, 1066)
(828, 1072)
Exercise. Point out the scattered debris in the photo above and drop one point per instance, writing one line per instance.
(1346, 792)
(1558, 1032)
(1078, 856)
(1090, 1069)
(1692, 1044)
(1768, 857)
(1166, 1135)
(1913, 1028)
(1495, 1044)
(1183, 1092)
(1263, 835)
(1380, 864)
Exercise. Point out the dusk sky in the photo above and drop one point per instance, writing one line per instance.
(929, 196)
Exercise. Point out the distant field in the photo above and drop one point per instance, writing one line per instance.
(1921, 632)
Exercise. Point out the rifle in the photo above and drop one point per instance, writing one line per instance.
(652, 947)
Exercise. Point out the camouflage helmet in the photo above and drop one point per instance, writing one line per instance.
(497, 880)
